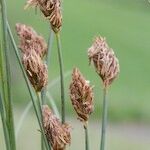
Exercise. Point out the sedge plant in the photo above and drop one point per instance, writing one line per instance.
(107, 67)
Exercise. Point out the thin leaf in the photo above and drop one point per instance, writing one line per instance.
(22, 118)
(53, 104)
(55, 81)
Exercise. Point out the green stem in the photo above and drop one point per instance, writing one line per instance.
(61, 77)
(104, 120)
(2, 101)
(50, 40)
(5, 129)
(86, 136)
(10, 109)
(9, 115)
(53, 104)
(22, 118)
(28, 86)
(43, 92)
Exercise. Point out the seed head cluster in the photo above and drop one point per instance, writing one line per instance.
(30, 40)
(81, 94)
(104, 60)
(51, 10)
(33, 48)
(57, 134)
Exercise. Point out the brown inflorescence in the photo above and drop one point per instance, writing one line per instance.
(81, 94)
(33, 48)
(105, 61)
(51, 10)
(58, 134)
(36, 70)
(30, 40)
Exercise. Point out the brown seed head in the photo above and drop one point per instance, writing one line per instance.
(104, 59)
(30, 40)
(36, 70)
(51, 10)
(81, 94)
(57, 134)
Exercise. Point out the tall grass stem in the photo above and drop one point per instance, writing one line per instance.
(53, 104)
(47, 59)
(104, 120)
(61, 77)
(43, 92)
(86, 137)
(7, 80)
(5, 129)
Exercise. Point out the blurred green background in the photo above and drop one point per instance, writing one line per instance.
(126, 26)
(124, 23)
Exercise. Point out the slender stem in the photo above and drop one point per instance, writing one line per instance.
(104, 120)
(9, 116)
(2, 101)
(61, 77)
(86, 136)
(22, 118)
(39, 103)
(53, 104)
(3, 117)
(50, 40)
(28, 86)
(43, 92)
(10, 109)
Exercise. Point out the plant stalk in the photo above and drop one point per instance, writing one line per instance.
(5, 129)
(44, 90)
(50, 40)
(53, 104)
(104, 119)
(7, 87)
(61, 77)
(86, 136)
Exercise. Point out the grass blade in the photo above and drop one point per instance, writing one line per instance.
(7, 79)
(22, 118)
(53, 104)
(5, 130)
(61, 78)
(50, 41)
(55, 81)
(43, 92)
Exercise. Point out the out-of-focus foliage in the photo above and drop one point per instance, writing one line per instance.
(125, 24)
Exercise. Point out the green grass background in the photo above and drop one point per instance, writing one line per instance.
(126, 26)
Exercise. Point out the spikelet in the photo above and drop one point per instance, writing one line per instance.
(105, 61)
(57, 134)
(30, 40)
(81, 94)
(36, 70)
(51, 10)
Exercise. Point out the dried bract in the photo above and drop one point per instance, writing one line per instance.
(57, 134)
(30, 40)
(104, 59)
(81, 94)
(36, 70)
(51, 10)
